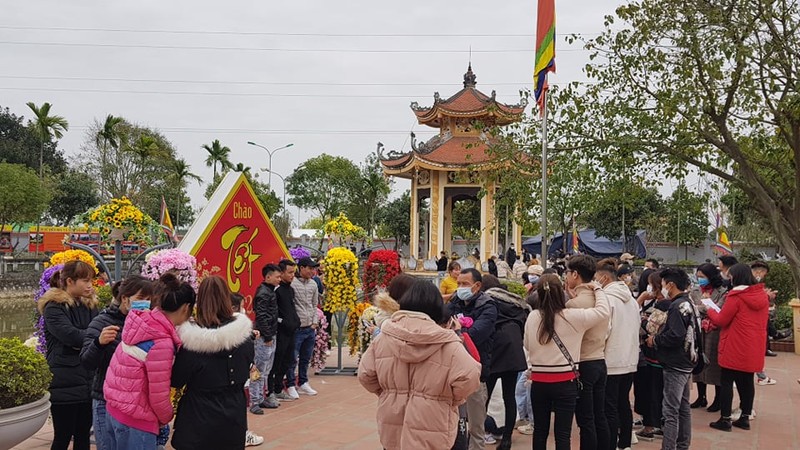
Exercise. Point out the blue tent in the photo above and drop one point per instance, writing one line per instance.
(589, 244)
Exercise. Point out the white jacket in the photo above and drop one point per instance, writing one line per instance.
(622, 344)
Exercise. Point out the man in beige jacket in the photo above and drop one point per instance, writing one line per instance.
(590, 410)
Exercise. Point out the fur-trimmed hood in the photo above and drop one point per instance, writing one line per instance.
(212, 340)
(387, 306)
(502, 295)
(57, 295)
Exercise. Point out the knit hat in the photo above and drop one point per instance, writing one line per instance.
(535, 269)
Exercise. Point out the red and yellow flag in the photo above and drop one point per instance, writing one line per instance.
(545, 48)
(165, 221)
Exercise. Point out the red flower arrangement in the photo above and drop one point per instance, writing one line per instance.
(380, 268)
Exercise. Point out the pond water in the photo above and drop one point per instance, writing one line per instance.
(16, 317)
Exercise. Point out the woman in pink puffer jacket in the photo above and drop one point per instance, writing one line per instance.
(137, 383)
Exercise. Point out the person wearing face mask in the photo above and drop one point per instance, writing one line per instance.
(137, 386)
(679, 348)
(709, 280)
(68, 307)
(625, 275)
(534, 273)
(470, 302)
(725, 262)
(101, 340)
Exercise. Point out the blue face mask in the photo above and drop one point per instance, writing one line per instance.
(533, 279)
(141, 305)
(703, 282)
(464, 293)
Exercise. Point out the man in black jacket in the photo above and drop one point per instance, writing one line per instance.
(288, 322)
(470, 302)
(676, 346)
(266, 326)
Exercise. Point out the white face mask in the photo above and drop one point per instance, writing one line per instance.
(649, 289)
(665, 292)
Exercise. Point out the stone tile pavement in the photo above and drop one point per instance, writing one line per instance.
(342, 416)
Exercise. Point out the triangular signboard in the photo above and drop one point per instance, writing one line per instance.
(233, 238)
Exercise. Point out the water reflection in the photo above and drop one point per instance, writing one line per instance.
(16, 320)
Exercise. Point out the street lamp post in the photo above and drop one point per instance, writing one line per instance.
(284, 186)
(270, 153)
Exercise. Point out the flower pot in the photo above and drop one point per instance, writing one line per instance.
(19, 423)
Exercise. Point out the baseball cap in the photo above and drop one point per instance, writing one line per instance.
(307, 262)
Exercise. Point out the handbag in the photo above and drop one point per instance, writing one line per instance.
(572, 364)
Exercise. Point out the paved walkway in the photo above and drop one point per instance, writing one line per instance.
(342, 416)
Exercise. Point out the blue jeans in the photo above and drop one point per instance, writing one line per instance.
(127, 438)
(523, 396)
(102, 433)
(304, 340)
(265, 355)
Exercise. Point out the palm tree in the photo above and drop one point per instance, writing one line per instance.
(217, 154)
(106, 137)
(46, 127)
(182, 174)
(239, 167)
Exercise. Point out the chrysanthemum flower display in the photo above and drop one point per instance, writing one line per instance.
(341, 230)
(163, 261)
(355, 329)
(341, 280)
(319, 358)
(66, 256)
(380, 268)
(122, 214)
(299, 253)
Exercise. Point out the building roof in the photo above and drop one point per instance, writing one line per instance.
(441, 151)
(470, 103)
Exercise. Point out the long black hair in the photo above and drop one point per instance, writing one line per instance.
(424, 297)
(712, 273)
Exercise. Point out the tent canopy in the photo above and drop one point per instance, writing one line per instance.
(589, 244)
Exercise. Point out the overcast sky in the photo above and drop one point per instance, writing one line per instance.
(333, 77)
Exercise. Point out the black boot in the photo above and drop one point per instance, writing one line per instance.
(715, 406)
(742, 422)
(505, 444)
(723, 424)
(701, 402)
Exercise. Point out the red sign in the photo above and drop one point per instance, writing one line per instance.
(236, 239)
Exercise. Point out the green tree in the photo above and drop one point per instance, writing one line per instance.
(217, 154)
(316, 223)
(46, 127)
(368, 192)
(240, 167)
(394, 220)
(686, 217)
(623, 205)
(74, 193)
(19, 145)
(269, 201)
(705, 84)
(23, 196)
(323, 184)
(183, 175)
(467, 221)
(107, 137)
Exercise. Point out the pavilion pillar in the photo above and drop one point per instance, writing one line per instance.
(516, 235)
(487, 221)
(437, 225)
(447, 243)
(414, 240)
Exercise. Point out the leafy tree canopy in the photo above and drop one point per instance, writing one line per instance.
(74, 192)
(20, 145)
(23, 196)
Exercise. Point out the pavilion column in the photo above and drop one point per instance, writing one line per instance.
(437, 214)
(516, 235)
(447, 243)
(487, 220)
(414, 241)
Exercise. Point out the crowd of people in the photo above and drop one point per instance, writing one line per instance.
(164, 354)
(581, 344)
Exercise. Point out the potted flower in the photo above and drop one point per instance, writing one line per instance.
(381, 267)
(24, 399)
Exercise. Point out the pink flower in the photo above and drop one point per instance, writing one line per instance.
(172, 259)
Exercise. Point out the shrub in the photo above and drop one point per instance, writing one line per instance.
(103, 296)
(24, 374)
(780, 279)
(783, 317)
(516, 288)
(684, 263)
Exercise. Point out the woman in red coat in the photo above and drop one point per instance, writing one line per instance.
(743, 321)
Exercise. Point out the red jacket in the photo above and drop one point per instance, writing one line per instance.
(743, 323)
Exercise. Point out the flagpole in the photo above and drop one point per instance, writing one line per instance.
(545, 247)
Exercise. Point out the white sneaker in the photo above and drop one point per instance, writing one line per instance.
(305, 389)
(251, 439)
(766, 381)
(526, 429)
(737, 413)
(634, 439)
(488, 439)
(291, 391)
